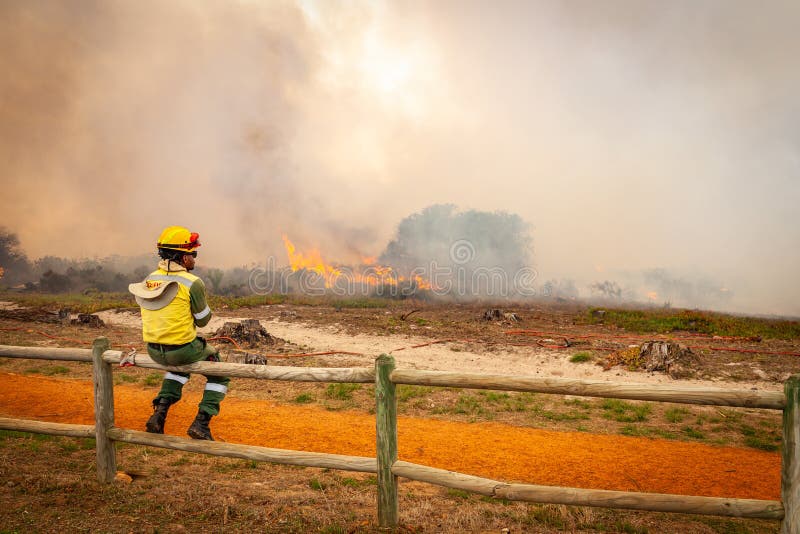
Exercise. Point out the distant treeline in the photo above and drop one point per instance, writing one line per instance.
(484, 253)
(52, 274)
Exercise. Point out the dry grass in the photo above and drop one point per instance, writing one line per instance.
(49, 485)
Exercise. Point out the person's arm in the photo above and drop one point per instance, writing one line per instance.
(197, 299)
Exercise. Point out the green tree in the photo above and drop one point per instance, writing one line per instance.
(14, 262)
(52, 282)
(215, 277)
(484, 249)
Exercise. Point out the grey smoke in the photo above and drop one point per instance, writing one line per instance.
(631, 135)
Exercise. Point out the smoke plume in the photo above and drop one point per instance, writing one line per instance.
(630, 135)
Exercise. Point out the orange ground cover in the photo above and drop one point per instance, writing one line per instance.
(492, 450)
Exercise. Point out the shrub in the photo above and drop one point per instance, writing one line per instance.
(580, 357)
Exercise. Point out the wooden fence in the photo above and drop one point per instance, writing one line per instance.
(388, 467)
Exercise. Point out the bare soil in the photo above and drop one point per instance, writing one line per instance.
(489, 449)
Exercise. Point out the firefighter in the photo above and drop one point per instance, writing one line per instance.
(173, 304)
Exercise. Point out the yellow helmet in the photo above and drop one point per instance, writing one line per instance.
(178, 238)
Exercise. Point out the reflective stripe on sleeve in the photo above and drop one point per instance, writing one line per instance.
(219, 388)
(199, 315)
(176, 378)
(171, 278)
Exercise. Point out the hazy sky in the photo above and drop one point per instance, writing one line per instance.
(630, 134)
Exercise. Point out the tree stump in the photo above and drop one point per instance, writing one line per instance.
(674, 359)
(248, 332)
(500, 315)
(491, 315)
(89, 319)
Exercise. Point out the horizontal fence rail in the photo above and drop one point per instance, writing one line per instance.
(360, 375)
(387, 465)
(247, 452)
(743, 398)
(775, 400)
(44, 427)
(657, 502)
(47, 353)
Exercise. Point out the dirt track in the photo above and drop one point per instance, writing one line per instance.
(491, 450)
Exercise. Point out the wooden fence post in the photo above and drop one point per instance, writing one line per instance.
(103, 411)
(386, 441)
(790, 465)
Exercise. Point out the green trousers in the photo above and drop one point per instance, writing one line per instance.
(172, 386)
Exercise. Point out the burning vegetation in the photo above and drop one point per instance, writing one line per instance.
(368, 273)
(439, 251)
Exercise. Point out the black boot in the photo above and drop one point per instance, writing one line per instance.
(199, 428)
(155, 425)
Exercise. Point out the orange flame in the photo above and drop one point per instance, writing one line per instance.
(420, 282)
(311, 261)
(652, 295)
(374, 274)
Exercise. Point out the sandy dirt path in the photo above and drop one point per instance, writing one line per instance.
(472, 358)
(491, 450)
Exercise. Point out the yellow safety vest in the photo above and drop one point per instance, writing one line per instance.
(173, 324)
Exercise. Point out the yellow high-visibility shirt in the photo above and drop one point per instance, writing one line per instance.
(175, 323)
